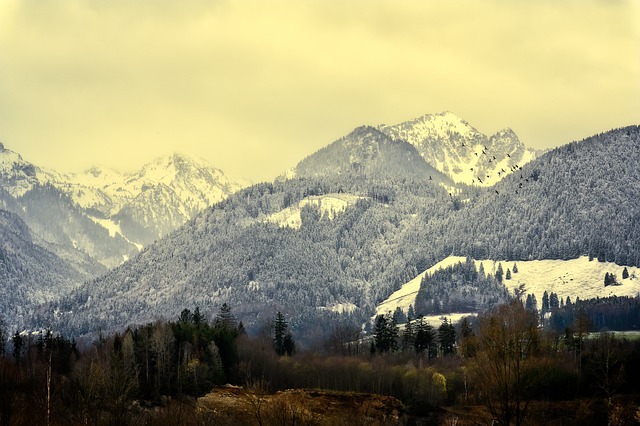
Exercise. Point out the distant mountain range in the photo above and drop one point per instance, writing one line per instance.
(453, 152)
(328, 241)
(73, 227)
(360, 218)
(106, 214)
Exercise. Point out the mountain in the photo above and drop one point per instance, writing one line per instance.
(392, 225)
(459, 151)
(367, 151)
(29, 274)
(108, 215)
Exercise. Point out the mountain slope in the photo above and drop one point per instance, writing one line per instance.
(574, 278)
(459, 151)
(29, 274)
(399, 226)
(108, 215)
(370, 153)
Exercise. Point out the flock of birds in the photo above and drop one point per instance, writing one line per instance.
(484, 151)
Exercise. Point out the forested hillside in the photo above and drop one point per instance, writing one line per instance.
(23, 265)
(555, 207)
(579, 199)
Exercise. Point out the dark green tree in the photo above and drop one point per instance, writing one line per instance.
(186, 317)
(447, 337)
(625, 273)
(515, 268)
(198, 318)
(499, 273)
(425, 338)
(385, 334)
(508, 274)
(17, 346)
(531, 303)
(545, 303)
(398, 316)
(468, 342)
(282, 340)
(554, 301)
(3, 339)
(408, 335)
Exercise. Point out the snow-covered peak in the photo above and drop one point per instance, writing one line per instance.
(457, 149)
(444, 127)
(16, 175)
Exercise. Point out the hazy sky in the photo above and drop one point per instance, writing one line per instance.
(254, 86)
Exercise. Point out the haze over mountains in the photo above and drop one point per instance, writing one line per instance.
(345, 228)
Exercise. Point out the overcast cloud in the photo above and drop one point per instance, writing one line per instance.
(254, 86)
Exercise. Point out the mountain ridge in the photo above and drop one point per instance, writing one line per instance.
(361, 255)
(458, 150)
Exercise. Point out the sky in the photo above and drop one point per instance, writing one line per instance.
(254, 86)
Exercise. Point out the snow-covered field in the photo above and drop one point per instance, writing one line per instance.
(329, 204)
(567, 278)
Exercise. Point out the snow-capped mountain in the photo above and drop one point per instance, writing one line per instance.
(458, 150)
(107, 214)
(251, 250)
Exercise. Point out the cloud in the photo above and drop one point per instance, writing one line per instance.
(255, 86)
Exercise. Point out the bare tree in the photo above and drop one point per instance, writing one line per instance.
(508, 341)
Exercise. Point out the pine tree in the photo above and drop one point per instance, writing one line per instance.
(468, 342)
(398, 316)
(407, 336)
(3, 338)
(515, 268)
(545, 303)
(554, 301)
(625, 273)
(529, 303)
(508, 274)
(411, 312)
(385, 334)
(185, 316)
(289, 345)
(425, 338)
(225, 318)
(499, 273)
(17, 346)
(198, 318)
(280, 334)
(447, 337)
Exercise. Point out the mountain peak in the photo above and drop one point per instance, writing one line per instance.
(457, 149)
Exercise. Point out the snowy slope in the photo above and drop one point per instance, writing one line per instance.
(458, 150)
(330, 205)
(133, 208)
(16, 175)
(567, 278)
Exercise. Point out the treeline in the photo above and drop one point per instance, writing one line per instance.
(501, 360)
(461, 288)
(615, 313)
(51, 380)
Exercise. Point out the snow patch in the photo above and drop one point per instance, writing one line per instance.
(567, 278)
(330, 205)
